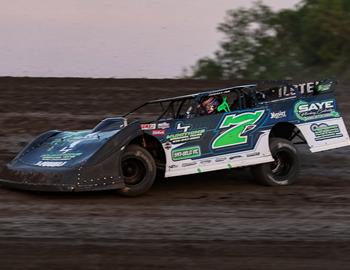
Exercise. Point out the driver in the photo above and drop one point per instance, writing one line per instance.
(209, 105)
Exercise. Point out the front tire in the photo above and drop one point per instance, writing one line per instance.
(284, 170)
(139, 171)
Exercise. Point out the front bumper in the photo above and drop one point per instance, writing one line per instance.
(83, 178)
(36, 187)
(59, 187)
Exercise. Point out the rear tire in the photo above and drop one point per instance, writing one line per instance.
(284, 170)
(139, 171)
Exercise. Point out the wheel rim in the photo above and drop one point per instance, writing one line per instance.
(134, 171)
(281, 167)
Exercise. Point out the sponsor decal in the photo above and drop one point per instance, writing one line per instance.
(148, 126)
(324, 131)
(235, 157)
(238, 126)
(186, 153)
(189, 164)
(180, 126)
(205, 162)
(60, 157)
(220, 159)
(69, 140)
(221, 92)
(65, 146)
(158, 132)
(278, 115)
(254, 154)
(324, 87)
(163, 125)
(167, 146)
(50, 164)
(303, 88)
(315, 110)
(185, 136)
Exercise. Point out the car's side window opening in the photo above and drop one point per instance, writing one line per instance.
(186, 108)
(233, 99)
(229, 101)
(201, 104)
(168, 113)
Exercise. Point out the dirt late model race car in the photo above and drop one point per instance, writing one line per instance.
(246, 125)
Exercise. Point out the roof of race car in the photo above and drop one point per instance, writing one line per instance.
(209, 92)
(204, 93)
(267, 84)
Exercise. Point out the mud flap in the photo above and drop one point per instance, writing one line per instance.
(325, 134)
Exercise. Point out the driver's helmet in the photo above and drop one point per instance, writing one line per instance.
(210, 104)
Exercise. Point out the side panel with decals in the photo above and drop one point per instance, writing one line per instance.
(260, 154)
(318, 119)
(216, 142)
(241, 138)
(325, 135)
(308, 111)
(238, 125)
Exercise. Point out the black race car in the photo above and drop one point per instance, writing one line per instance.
(245, 125)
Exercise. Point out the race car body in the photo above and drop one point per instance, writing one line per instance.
(252, 126)
(72, 161)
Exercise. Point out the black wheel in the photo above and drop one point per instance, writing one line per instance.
(284, 170)
(139, 171)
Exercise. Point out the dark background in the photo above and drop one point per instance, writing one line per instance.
(218, 220)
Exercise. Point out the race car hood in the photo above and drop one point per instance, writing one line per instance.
(67, 161)
(66, 149)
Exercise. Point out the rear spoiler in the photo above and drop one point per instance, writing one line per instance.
(289, 89)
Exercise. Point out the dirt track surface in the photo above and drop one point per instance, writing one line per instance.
(219, 220)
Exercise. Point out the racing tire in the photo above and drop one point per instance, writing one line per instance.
(284, 170)
(139, 171)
